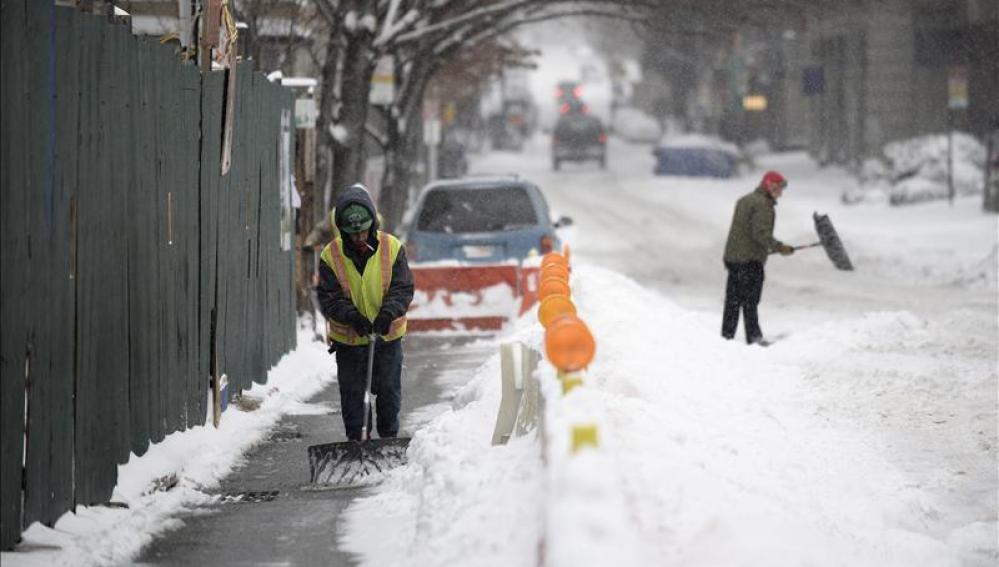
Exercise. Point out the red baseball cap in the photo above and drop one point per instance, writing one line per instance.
(771, 177)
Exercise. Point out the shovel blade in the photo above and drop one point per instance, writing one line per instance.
(831, 242)
(355, 463)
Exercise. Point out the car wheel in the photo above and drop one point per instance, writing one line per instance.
(603, 162)
(556, 164)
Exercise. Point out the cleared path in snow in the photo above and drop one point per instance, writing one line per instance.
(268, 515)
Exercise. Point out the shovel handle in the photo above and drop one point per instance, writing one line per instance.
(365, 426)
(812, 245)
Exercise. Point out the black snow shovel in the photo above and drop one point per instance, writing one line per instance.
(355, 463)
(829, 240)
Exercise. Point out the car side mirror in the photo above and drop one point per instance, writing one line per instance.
(563, 221)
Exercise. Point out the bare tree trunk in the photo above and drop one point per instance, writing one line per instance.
(348, 141)
(404, 139)
(355, 86)
(400, 177)
(324, 137)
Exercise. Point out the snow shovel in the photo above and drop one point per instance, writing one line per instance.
(829, 240)
(355, 463)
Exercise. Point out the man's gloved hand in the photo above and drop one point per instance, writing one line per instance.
(382, 323)
(360, 323)
(785, 250)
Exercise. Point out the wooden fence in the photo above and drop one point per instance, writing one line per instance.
(129, 263)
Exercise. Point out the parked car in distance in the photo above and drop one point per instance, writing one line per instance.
(579, 137)
(481, 220)
(696, 155)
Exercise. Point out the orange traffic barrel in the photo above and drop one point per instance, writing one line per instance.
(569, 344)
(553, 285)
(555, 270)
(554, 258)
(553, 306)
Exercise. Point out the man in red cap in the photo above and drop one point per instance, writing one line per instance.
(750, 241)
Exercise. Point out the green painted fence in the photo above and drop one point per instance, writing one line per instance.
(123, 247)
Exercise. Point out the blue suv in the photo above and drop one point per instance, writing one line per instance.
(480, 220)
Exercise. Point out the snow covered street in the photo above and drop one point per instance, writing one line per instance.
(429, 283)
(867, 436)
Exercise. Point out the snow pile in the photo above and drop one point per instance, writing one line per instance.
(459, 500)
(709, 453)
(174, 475)
(634, 125)
(915, 170)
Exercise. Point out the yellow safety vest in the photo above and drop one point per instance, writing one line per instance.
(365, 291)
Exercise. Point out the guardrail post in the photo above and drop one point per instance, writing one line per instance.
(530, 407)
(511, 372)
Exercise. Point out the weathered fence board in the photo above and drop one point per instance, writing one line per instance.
(14, 282)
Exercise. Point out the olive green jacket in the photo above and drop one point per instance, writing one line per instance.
(751, 236)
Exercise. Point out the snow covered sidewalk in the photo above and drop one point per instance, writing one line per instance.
(195, 460)
(823, 449)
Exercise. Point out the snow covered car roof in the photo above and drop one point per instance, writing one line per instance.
(699, 141)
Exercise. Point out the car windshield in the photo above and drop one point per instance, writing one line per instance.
(476, 210)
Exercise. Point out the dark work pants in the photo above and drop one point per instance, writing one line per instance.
(745, 284)
(386, 385)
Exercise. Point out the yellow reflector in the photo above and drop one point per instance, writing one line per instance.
(583, 436)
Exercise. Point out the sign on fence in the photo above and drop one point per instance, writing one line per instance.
(285, 188)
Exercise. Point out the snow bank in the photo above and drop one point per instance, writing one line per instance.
(193, 461)
(634, 125)
(915, 170)
(710, 452)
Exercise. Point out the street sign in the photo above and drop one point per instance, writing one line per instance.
(432, 132)
(383, 81)
(813, 80)
(754, 103)
(306, 113)
(957, 88)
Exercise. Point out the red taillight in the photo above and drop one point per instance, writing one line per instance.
(559, 93)
(564, 109)
(577, 92)
(410, 251)
(546, 244)
(585, 109)
(602, 138)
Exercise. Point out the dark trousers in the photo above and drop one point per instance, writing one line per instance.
(386, 385)
(745, 284)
